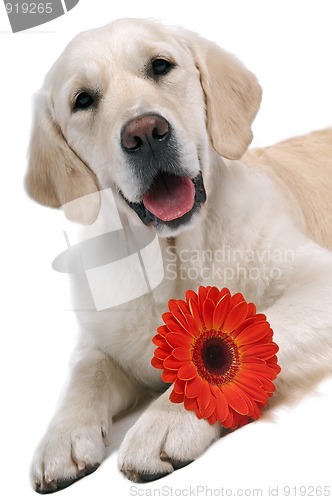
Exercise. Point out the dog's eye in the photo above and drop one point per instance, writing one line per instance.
(161, 67)
(83, 101)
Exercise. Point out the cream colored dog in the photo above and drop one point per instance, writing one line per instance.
(163, 117)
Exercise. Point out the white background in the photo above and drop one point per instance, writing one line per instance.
(288, 44)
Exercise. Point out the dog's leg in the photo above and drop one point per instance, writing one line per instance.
(302, 322)
(166, 437)
(76, 440)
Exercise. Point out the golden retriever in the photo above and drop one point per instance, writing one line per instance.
(160, 118)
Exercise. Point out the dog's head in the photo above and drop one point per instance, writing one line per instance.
(137, 107)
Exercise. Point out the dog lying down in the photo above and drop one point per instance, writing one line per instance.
(162, 117)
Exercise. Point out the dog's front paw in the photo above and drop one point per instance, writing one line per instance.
(165, 438)
(69, 451)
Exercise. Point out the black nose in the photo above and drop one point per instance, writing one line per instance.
(145, 134)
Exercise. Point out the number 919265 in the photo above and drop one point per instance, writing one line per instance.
(29, 8)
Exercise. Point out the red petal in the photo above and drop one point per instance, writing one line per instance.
(208, 310)
(204, 397)
(184, 324)
(269, 386)
(193, 387)
(169, 376)
(234, 399)
(222, 408)
(213, 419)
(235, 317)
(236, 299)
(191, 295)
(268, 338)
(183, 307)
(172, 364)
(261, 369)
(179, 386)
(223, 292)
(181, 354)
(181, 319)
(220, 312)
(172, 305)
(213, 294)
(190, 404)
(174, 326)
(187, 372)
(262, 351)
(202, 294)
(241, 420)
(160, 341)
(276, 368)
(260, 317)
(195, 313)
(253, 333)
(194, 327)
(175, 397)
(252, 407)
(209, 410)
(157, 363)
(246, 322)
(248, 378)
(254, 391)
(162, 330)
(178, 340)
(162, 353)
(166, 316)
(249, 401)
(230, 422)
(256, 365)
(257, 411)
(251, 310)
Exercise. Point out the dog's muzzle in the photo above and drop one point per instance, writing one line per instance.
(171, 206)
(169, 196)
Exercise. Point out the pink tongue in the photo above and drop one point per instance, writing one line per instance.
(170, 197)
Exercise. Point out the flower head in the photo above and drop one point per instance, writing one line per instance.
(219, 354)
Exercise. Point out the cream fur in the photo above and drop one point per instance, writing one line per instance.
(267, 212)
(302, 169)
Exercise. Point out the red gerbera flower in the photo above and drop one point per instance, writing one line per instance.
(219, 354)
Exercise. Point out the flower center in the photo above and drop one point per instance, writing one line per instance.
(215, 356)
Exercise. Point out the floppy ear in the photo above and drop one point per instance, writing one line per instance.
(232, 95)
(56, 175)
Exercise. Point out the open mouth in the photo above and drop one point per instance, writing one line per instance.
(171, 199)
